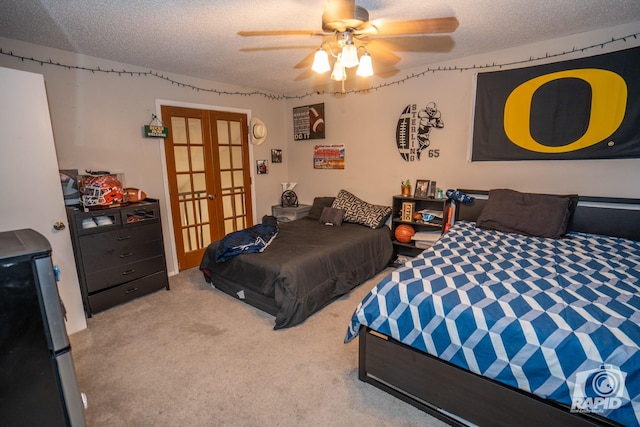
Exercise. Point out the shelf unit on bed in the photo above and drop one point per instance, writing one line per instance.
(410, 249)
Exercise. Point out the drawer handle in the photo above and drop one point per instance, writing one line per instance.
(124, 273)
(127, 255)
(124, 237)
(129, 291)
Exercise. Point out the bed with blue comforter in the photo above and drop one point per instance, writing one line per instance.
(557, 318)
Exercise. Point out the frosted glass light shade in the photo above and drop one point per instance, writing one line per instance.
(349, 55)
(321, 61)
(365, 69)
(339, 73)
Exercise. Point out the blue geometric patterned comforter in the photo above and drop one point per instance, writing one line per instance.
(557, 318)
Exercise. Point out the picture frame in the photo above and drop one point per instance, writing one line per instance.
(432, 190)
(262, 167)
(422, 188)
(276, 155)
(70, 187)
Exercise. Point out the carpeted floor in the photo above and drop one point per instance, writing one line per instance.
(193, 356)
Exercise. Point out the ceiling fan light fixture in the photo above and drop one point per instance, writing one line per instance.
(365, 69)
(339, 73)
(349, 54)
(321, 61)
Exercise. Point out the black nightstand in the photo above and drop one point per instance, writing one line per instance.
(419, 203)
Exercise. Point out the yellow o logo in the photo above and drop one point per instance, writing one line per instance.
(605, 116)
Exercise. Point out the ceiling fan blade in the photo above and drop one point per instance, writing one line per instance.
(268, 48)
(417, 26)
(338, 9)
(431, 44)
(380, 54)
(307, 61)
(306, 74)
(387, 72)
(283, 33)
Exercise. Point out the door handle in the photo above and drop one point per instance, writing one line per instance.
(59, 225)
(211, 196)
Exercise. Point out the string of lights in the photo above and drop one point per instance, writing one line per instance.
(271, 96)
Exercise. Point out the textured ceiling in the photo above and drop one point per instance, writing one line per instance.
(199, 37)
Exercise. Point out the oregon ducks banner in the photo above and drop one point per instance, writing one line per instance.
(587, 108)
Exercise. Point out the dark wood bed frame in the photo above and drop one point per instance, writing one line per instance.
(460, 397)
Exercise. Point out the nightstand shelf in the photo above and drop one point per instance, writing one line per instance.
(419, 203)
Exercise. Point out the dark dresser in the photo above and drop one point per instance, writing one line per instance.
(119, 253)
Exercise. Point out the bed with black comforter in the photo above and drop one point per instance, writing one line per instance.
(307, 264)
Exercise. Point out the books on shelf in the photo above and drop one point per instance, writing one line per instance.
(427, 236)
(423, 244)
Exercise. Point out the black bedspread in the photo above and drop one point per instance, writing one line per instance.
(306, 266)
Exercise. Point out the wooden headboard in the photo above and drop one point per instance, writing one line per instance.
(609, 216)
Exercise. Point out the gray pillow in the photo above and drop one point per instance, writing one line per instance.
(319, 203)
(530, 214)
(332, 216)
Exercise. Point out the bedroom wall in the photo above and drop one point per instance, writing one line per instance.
(366, 124)
(97, 120)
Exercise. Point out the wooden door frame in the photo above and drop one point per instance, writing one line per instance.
(165, 206)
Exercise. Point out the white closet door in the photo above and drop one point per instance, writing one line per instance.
(30, 190)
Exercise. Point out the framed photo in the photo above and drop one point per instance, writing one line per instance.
(263, 167)
(276, 156)
(432, 190)
(422, 188)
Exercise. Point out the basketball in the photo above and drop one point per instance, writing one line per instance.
(404, 233)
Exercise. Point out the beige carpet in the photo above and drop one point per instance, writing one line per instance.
(193, 356)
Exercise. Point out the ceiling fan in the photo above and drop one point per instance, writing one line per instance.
(347, 23)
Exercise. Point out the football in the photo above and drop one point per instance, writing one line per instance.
(403, 133)
(133, 194)
(315, 120)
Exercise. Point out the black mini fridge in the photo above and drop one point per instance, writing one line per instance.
(37, 379)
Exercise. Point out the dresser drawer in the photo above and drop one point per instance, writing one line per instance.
(112, 276)
(142, 213)
(97, 221)
(119, 247)
(125, 292)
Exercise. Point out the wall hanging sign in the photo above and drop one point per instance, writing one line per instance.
(155, 131)
(413, 131)
(308, 122)
(328, 156)
(587, 108)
